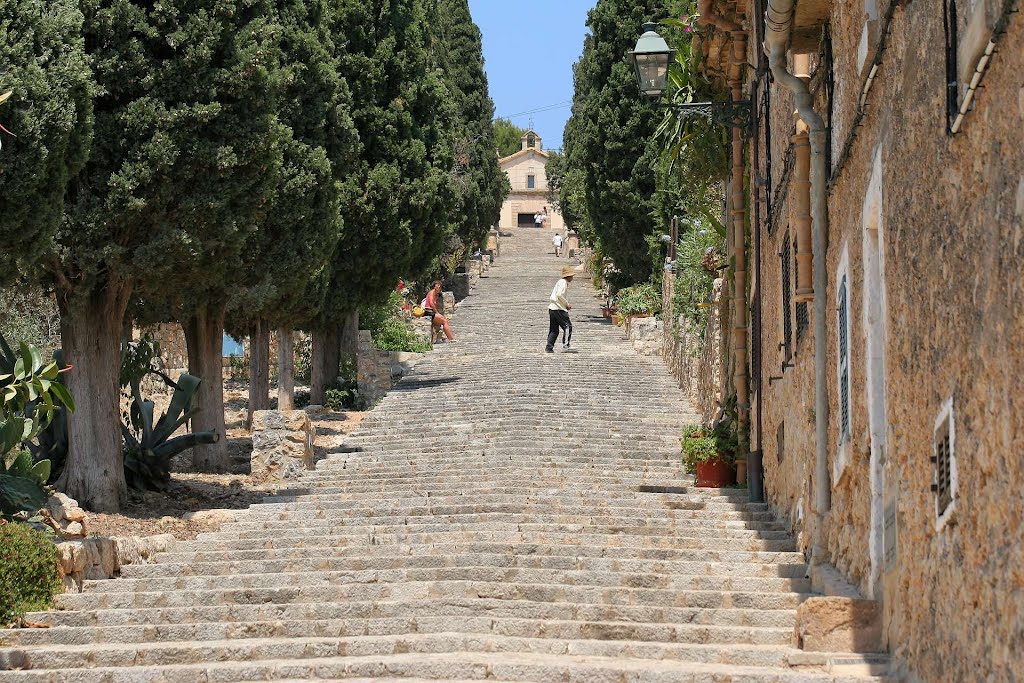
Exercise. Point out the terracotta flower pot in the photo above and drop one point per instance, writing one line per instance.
(714, 473)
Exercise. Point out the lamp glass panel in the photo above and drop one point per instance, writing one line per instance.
(652, 70)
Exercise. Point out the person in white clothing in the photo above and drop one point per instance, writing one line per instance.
(557, 241)
(558, 312)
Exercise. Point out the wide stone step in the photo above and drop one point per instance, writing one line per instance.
(783, 598)
(531, 575)
(441, 606)
(325, 541)
(254, 561)
(452, 667)
(208, 564)
(397, 626)
(111, 655)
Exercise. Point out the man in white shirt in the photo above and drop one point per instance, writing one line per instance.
(557, 241)
(558, 312)
(537, 220)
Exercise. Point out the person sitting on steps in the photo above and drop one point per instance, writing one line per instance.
(558, 312)
(431, 307)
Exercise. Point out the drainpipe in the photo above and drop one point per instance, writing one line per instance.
(778, 21)
(737, 63)
(739, 227)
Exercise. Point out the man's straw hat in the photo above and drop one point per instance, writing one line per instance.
(568, 271)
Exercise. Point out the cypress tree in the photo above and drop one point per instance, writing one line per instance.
(397, 199)
(481, 184)
(179, 168)
(608, 139)
(50, 118)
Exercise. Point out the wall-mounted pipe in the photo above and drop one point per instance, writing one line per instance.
(778, 23)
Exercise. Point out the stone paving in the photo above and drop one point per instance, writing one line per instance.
(503, 514)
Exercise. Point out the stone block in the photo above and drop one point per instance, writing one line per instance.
(141, 549)
(839, 624)
(646, 334)
(282, 443)
(67, 518)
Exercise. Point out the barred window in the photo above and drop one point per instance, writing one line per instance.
(843, 327)
(786, 255)
(949, 20)
(944, 464)
(802, 320)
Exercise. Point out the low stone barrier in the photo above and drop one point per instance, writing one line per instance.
(282, 443)
(98, 558)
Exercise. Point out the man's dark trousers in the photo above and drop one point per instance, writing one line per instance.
(559, 320)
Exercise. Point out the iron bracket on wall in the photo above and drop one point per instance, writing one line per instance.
(739, 114)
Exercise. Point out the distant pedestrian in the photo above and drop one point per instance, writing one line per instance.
(432, 307)
(538, 220)
(558, 312)
(557, 241)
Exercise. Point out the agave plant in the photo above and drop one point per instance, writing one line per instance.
(30, 397)
(149, 447)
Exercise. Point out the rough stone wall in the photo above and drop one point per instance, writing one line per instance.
(373, 370)
(951, 240)
(694, 357)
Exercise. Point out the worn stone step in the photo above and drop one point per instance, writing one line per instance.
(505, 667)
(441, 606)
(783, 598)
(396, 626)
(258, 649)
(218, 562)
(527, 575)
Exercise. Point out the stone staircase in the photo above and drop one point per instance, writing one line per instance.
(503, 514)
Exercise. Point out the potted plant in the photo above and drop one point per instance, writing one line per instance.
(705, 454)
(639, 301)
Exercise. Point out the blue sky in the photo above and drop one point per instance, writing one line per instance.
(537, 75)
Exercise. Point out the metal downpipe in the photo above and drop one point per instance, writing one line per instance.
(778, 23)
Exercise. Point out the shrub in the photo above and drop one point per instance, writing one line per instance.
(639, 299)
(395, 335)
(701, 444)
(29, 571)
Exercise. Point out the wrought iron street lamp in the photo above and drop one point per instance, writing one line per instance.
(650, 59)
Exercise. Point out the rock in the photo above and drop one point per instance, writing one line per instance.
(315, 410)
(282, 443)
(140, 550)
(214, 517)
(64, 508)
(74, 530)
(839, 624)
(647, 335)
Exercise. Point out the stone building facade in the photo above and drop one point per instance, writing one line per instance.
(922, 198)
(527, 174)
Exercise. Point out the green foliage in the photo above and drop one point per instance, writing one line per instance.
(344, 395)
(643, 298)
(397, 199)
(508, 136)
(389, 329)
(701, 444)
(30, 314)
(303, 358)
(50, 112)
(480, 184)
(29, 571)
(609, 139)
(30, 397)
(149, 447)
(698, 255)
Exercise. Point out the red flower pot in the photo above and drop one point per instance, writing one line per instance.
(714, 473)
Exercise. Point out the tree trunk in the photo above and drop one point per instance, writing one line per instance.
(350, 337)
(259, 369)
(324, 372)
(285, 369)
(91, 338)
(204, 337)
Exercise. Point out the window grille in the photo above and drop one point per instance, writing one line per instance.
(786, 254)
(949, 20)
(780, 437)
(844, 361)
(944, 462)
(802, 320)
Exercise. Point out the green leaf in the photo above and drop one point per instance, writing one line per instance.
(63, 396)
